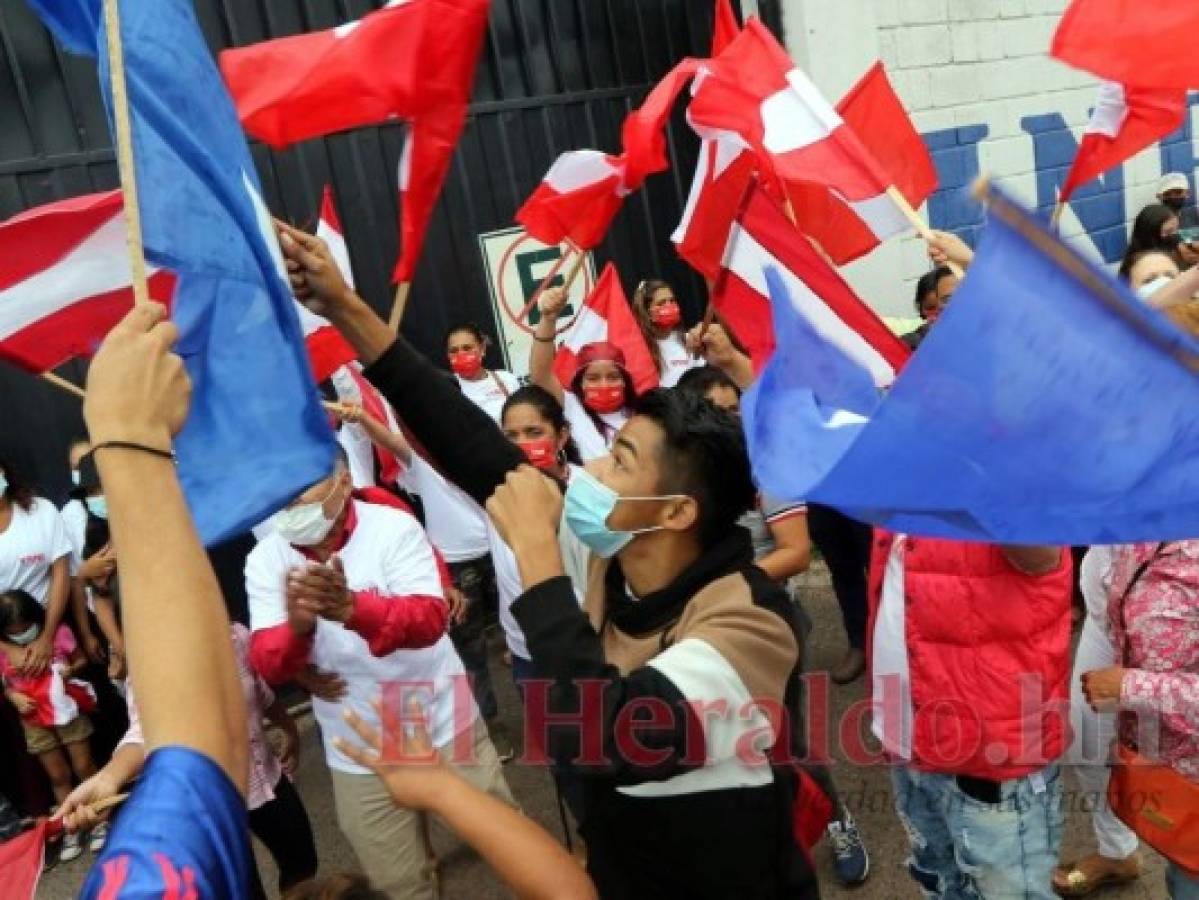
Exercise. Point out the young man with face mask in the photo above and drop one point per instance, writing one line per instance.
(675, 675)
(353, 587)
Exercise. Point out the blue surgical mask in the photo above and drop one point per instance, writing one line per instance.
(97, 506)
(589, 504)
(26, 637)
(75, 477)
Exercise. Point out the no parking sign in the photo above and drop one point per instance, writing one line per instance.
(516, 266)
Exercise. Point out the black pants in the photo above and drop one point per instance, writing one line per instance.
(845, 545)
(283, 826)
(476, 579)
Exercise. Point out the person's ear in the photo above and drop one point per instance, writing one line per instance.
(680, 514)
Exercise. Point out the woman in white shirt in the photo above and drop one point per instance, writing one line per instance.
(598, 398)
(661, 320)
(466, 346)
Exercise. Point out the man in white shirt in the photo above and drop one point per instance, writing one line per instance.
(353, 588)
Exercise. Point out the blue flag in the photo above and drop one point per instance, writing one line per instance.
(809, 388)
(1048, 405)
(256, 435)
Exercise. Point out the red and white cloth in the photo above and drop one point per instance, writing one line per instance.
(65, 280)
(1125, 121)
(327, 349)
(606, 317)
(577, 199)
(58, 700)
(412, 60)
(756, 92)
(763, 236)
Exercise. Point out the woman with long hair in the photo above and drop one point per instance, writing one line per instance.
(1155, 228)
(661, 320)
(596, 401)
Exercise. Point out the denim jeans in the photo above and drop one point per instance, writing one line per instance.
(1181, 885)
(967, 849)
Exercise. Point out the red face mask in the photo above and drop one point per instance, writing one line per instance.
(604, 398)
(467, 363)
(541, 452)
(667, 315)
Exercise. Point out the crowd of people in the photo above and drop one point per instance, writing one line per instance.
(641, 581)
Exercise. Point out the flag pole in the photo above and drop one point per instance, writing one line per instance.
(918, 223)
(124, 138)
(398, 305)
(59, 382)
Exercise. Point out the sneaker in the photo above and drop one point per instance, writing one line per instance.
(72, 847)
(95, 840)
(851, 862)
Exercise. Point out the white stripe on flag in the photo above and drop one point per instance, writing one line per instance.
(97, 266)
(797, 116)
(588, 328)
(1111, 109)
(579, 169)
(747, 260)
(702, 166)
(337, 247)
(882, 216)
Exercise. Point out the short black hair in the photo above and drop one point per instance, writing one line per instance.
(706, 458)
(702, 379)
(472, 327)
(928, 285)
(19, 606)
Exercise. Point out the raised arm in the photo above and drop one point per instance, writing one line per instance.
(541, 356)
(380, 434)
(461, 438)
(176, 629)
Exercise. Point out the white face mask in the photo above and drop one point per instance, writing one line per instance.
(26, 637)
(305, 525)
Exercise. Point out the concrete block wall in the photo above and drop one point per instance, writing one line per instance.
(980, 86)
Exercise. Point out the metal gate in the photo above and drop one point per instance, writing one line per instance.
(555, 75)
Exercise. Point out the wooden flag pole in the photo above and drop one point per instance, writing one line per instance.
(918, 223)
(124, 136)
(59, 382)
(398, 305)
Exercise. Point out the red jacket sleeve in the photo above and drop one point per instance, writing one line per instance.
(278, 654)
(388, 623)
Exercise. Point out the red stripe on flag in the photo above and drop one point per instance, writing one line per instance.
(328, 351)
(78, 329)
(38, 238)
(21, 861)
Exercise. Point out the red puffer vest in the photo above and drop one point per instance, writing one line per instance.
(988, 654)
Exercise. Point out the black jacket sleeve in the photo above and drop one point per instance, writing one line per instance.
(462, 439)
(632, 728)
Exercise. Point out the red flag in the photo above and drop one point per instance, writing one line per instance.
(722, 174)
(327, 349)
(1125, 122)
(725, 29)
(412, 60)
(763, 236)
(21, 860)
(644, 130)
(606, 316)
(1130, 42)
(65, 280)
(577, 200)
(754, 91)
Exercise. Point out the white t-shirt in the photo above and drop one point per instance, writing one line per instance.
(360, 453)
(1094, 580)
(575, 557)
(388, 552)
(587, 437)
(490, 392)
(30, 546)
(675, 360)
(456, 525)
(74, 520)
(891, 719)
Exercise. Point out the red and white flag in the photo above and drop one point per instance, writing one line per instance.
(754, 90)
(327, 349)
(65, 280)
(577, 199)
(412, 60)
(722, 174)
(1125, 121)
(1134, 44)
(21, 861)
(606, 316)
(763, 236)
(352, 387)
(725, 28)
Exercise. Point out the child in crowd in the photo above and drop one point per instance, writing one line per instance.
(52, 705)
